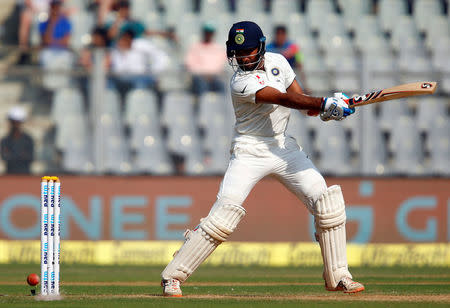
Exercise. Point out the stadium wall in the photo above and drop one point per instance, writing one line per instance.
(379, 210)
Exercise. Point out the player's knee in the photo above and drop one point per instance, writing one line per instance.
(223, 219)
(315, 189)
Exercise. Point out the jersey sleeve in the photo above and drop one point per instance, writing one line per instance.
(243, 90)
(289, 74)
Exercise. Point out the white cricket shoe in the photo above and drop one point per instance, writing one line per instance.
(171, 287)
(347, 285)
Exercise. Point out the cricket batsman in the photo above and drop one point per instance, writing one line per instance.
(263, 92)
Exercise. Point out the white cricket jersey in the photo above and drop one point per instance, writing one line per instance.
(261, 120)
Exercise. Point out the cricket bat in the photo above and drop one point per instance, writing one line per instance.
(400, 91)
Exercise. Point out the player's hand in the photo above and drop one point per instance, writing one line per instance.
(335, 108)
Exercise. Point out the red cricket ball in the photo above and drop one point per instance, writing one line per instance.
(33, 279)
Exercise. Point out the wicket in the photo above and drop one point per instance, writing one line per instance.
(50, 234)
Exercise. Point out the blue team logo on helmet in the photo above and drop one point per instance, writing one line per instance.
(275, 71)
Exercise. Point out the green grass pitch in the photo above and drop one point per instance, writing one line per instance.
(138, 286)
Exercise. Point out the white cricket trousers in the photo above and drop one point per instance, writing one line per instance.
(281, 157)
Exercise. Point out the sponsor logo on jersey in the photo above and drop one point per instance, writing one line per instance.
(260, 80)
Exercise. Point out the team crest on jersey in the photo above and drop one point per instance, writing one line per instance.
(275, 71)
(239, 38)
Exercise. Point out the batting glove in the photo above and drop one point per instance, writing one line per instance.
(335, 108)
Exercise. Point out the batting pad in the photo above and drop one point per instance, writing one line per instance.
(330, 228)
(203, 240)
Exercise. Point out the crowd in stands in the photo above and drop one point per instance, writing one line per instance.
(148, 48)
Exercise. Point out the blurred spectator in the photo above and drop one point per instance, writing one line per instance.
(55, 31)
(206, 61)
(55, 57)
(28, 10)
(99, 39)
(289, 50)
(124, 22)
(17, 146)
(136, 63)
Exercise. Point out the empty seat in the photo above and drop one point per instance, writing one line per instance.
(78, 156)
(425, 11)
(439, 146)
(297, 26)
(179, 119)
(175, 9)
(406, 146)
(332, 145)
(346, 76)
(383, 70)
(193, 162)
(152, 156)
(67, 102)
(404, 31)
(211, 8)
(142, 127)
(283, 8)
(249, 7)
(115, 153)
(391, 111)
(140, 102)
(316, 10)
(352, 8)
(73, 127)
(377, 153)
(438, 29)
(210, 105)
(317, 74)
(82, 24)
(428, 108)
(140, 8)
(57, 65)
(110, 104)
(389, 11)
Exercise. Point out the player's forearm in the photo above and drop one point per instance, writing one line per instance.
(300, 101)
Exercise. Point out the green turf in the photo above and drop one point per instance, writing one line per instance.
(137, 286)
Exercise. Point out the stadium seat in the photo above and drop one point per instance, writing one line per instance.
(424, 12)
(249, 7)
(78, 157)
(353, 12)
(66, 102)
(317, 74)
(428, 108)
(152, 156)
(175, 11)
(115, 152)
(383, 70)
(390, 112)
(346, 75)
(141, 8)
(210, 105)
(406, 146)
(389, 11)
(73, 127)
(377, 153)
(143, 125)
(438, 29)
(193, 163)
(403, 31)
(111, 105)
(316, 10)
(439, 146)
(56, 64)
(178, 117)
(82, 24)
(211, 8)
(140, 102)
(332, 145)
(297, 26)
(283, 8)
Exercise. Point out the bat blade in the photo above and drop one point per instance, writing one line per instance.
(400, 91)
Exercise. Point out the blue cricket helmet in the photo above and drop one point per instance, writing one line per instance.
(245, 35)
